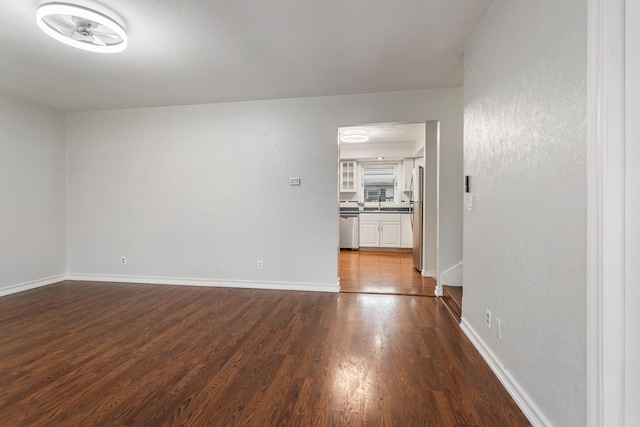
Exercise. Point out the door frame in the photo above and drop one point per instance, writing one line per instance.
(612, 275)
(437, 207)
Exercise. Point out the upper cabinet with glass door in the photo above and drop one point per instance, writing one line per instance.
(379, 183)
(348, 176)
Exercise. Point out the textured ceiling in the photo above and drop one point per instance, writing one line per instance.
(202, 51)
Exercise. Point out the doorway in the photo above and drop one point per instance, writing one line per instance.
(391, 273)
(377, 165)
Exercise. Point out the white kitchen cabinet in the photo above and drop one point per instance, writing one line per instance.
(380, 230)
(369, 233)
(407, 168)
(348, 176)
(407, 231)
(390, 232)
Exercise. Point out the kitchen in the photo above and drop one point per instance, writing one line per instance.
(382, 218)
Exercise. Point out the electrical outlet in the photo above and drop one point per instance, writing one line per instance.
(123, 260)
(499, 327)
(487, 319)
(260, 265)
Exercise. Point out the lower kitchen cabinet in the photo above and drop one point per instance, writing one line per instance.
(390, 233)
(380, 231)
(407, 231)
(369, 233)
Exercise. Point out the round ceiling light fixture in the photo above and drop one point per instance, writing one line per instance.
(354, 135)
(81, 27)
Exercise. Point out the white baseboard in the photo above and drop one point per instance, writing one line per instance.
(12, 289)
(314, 287)
(429, 273)
(432, 274)
(522, 399)
(438, 291)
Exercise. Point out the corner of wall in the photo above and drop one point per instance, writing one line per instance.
(522, 399)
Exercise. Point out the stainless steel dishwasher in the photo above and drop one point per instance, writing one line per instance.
(349, 231)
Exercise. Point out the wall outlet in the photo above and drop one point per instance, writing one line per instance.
(499, 327)
(487, 319)
(260, 264)
(123, 260)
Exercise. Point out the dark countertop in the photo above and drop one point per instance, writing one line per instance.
(395, 210)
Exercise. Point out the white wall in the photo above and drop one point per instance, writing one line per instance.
(450, 200)
(32, 185)
(142, 184)
(419, 144)
(524, 244)
(430, 158)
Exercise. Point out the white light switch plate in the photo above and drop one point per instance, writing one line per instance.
(294, 181)
(470, 202)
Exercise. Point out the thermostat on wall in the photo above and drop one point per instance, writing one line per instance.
(294, 181)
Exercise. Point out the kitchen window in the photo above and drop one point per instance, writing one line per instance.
(379, 184)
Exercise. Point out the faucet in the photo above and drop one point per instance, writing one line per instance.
(379, 202)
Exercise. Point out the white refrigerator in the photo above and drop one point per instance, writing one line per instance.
(417, 211)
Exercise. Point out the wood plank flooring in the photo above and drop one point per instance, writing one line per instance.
(104, 354)
(452, 298)
(382, 273)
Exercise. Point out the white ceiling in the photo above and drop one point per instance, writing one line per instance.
(203, 51)
(387, 132)
(390, 140)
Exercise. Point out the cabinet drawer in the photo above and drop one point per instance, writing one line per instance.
(380, 217)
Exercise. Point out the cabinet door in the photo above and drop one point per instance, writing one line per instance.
(390, 234)
(369, 234)
(348, 176)
(408, 166)
(407, 231)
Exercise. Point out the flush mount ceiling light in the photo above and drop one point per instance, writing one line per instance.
(81, 27)
(354, 135)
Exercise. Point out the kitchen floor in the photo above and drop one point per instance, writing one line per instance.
(389, 273)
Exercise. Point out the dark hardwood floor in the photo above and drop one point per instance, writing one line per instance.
(382, 273)
(105, 354)
(452, 297)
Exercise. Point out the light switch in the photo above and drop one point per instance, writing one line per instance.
(470, 202)
(294, 181)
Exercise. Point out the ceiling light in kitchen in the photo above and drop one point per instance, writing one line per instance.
(354, 135)
(81, 27)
